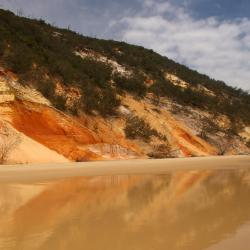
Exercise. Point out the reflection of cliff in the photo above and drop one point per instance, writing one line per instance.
(185, 210)
(206, 213)
(14, 196)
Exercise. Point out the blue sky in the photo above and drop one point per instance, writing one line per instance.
(212, 36)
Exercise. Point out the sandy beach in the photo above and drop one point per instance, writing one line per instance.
(133, 204)
(44, 172)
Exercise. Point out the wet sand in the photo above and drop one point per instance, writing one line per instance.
(178, 210)
(46, 172)
(177, 204)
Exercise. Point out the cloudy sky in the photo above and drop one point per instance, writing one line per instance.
(212, 36)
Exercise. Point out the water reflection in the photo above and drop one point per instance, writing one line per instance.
(183, 210)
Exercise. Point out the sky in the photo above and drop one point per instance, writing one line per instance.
(211, 36)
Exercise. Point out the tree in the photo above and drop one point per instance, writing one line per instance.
(9, 140)
(137, 128)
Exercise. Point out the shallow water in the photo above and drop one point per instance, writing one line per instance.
(182, 210)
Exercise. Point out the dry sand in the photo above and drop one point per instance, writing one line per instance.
(30, 150)
(46, 172)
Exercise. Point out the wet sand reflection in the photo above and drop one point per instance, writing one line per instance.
(182, 210)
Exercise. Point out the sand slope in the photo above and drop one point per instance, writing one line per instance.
(29, 151)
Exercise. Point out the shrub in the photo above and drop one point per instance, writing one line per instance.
(59, 102)
(103, 101)
(108, 103)
(2, 48)
(137, 128)
(19, 60)
(74, 110)
(208, 128)
(133, 84)
(161, 151)
(98, 72)
(47, 88)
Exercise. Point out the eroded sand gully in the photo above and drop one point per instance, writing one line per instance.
(185, 209)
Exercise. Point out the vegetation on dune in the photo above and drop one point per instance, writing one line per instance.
(162, 151)
(104, 101)
(208, 128)
(137, 128)
(33, 49)
(134, 84)
(2, 48)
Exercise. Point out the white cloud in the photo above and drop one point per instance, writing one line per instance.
(219, 48)
(63, 13)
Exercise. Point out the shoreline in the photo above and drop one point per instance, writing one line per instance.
(48, 172)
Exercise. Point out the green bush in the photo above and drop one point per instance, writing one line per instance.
(133, 84)
(104, 101)
(19, 60)
(47, 88)
(98, 72)
(137, 128)
(2, 48)
(60, 103)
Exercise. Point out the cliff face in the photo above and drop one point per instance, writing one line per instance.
(46, 134)
(32, 119)
(65, 97)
